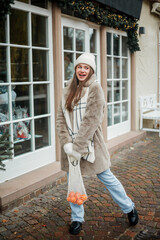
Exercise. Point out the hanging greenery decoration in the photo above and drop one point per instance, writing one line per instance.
(100, 14)
(5, 149)
(5, 8)
(94, 12)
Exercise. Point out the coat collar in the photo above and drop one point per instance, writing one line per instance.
(90, 81)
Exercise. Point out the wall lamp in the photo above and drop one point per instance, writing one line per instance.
(142, 30)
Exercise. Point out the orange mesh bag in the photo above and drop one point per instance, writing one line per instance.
(76, 189)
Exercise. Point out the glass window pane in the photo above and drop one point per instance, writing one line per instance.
(2, 32)
(3, 129)
(116, 68)
(68, 66)
(109, 91)
(40, 3)
(124, 68)
(109, 67)
(80, 40)
(3, 64)
(18, 27)
(77, 55)
(68, 35)
(39, 25)
(22, 138)
(124, 111)
(116, 113)
(4, 103)
(124, 90)
(109, 43)
(40, 70)
(93, 45)
(116, 44)
(124, 46)
(19, 65)
(41, 133)
(25, 1)
(40, 99)
(116, 91)
(109, 115)
(21, 105)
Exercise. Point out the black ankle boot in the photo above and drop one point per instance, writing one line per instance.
(133, 217)
(75, 227)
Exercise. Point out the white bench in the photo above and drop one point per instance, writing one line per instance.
(150, 109)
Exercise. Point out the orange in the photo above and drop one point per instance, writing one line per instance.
(77, 195)
(68, 199)
(72, 199)
(71, 194)
(84, 197)
(79, 201)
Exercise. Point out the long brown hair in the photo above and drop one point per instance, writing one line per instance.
(76, 90)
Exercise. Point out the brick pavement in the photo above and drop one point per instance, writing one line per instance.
(47, 217)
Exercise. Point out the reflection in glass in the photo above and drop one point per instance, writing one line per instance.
(124, 111)
(68, 66)
(41, 133)
(25, 1)
(116, 91)
(124, 90)
(92, 35)
(109, 43)
(109, 91)
(5, 128)
(40, 3)
(109, 67)
(19, 65)
(3, 65)
(40, 71)
(4, 103)
(77, 55)
(39, 25)
(22, 137)
(68, 34)
(124, 68)
(80, 40)
(18, 27)
(116, 68)
(40, 99)
(116, 44)
(109, 115)
(124, 46)
(2, 32)
(21, 108)
(116, 113)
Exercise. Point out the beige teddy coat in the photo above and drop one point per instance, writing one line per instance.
(90, 127)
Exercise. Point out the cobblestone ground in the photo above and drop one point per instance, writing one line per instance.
(47, 217)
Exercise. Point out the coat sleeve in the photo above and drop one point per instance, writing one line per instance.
(62, 127)
(92, 119)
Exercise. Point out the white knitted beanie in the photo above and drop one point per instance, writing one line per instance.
(86, 58)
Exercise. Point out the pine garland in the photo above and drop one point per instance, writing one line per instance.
(5, 8)
(95, 12)
(5, 149)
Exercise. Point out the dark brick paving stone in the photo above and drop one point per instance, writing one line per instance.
(146, 235)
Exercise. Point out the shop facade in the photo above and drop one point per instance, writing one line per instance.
(39, 44)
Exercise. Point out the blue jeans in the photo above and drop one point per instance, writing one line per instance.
(116, 190)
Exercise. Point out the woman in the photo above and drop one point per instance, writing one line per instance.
(83, 102)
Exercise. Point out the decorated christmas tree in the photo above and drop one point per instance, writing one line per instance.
(5, 149)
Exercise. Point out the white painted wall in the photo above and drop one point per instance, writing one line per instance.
(147, 58)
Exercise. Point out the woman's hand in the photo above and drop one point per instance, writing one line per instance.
(68, 148)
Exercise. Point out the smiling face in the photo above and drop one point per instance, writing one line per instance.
(82, 71)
